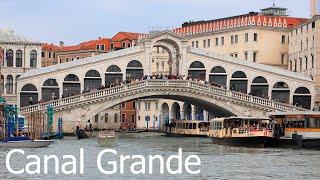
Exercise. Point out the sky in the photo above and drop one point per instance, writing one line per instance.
(74, 21)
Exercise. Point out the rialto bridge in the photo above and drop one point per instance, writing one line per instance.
(240, 88)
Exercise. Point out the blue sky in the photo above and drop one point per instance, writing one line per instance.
(74, 21)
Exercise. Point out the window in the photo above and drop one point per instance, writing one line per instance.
(295, 65)
(217, 41)
(132, 118)
(312, 61)
(246, 37)
(116, 118)
(54, 55)
(123, 45)
(149, 106)
(301, 45)
(283, 39)
(245, 55)
(102, 47)
(9, 58)
(42, 54)
(156, 106)
(306, 62)
(106, 117)
(33, 59)
(96, 118)
(9, 85)
(197, 44)
(300, 61)
(98, 47)
(19, 58)
(204, 43)
(49, 54)
(134, 105)
(236, 39)
(145, 106)
(222, 41)
(192, 44)
(123, 105)
(209, 43)
(313, 24)
(67, 59)
(255, 37)
(232, 40)
(129, 45)
(78, 57)
(123, 118)
(254, 57)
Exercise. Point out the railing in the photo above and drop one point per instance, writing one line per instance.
(156, 84)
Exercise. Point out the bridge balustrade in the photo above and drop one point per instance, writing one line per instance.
(217, 91)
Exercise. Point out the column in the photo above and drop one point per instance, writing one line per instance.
(61, 90)
(193, 113)
(170, 115)
(14, 84)
(182, 115)
(4, 84)
(4, 57)
(206, 115)
(14, 60)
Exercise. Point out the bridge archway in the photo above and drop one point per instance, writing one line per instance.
(50, 90)
(239, 82)
(176, 111)
(71, 85)
(259, 87)
(92, 80)
(165, 112)
(302, 97)
(134, 70)
(113, 75)
(281, 92)
(218, 76)
(28, 95)
(197, 70)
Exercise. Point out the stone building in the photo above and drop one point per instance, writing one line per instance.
(18, 55)
(261, 37)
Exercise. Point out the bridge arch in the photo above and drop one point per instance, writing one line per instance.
(218, 76)
(113, 75)
(281, 92)
(239, 82)
(197, 70)
(134, 70)
(165, 112)
(260, 87)
(28, 95)
(92, 80)
(302, 97)
(176, 111)
(50, 90)
(71, 85)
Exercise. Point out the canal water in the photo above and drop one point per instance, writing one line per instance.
(217, 162)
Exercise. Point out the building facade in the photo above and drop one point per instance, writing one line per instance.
(18, 55)
(304, 51)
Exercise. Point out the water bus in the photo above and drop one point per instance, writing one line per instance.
(188, 128)
(300, 129)
(242, 131)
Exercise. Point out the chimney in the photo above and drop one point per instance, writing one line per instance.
(99, 38)
(313, 7)
(61, 44)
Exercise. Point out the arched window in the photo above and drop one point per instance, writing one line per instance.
(218, 76)
(33, 59)
(50, 90)
(19, 58)
(259, 87)
(9, 58)
(28, 95)
(302, 98)
(239, 82)
(281, 92)
(134, 70)
(113, 75)
(197, 70)
(92, 80)
(9, 85)
(71, 85)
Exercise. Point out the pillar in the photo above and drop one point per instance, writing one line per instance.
(61, 90)
(182, 115)
(206, 115)
(193, 112)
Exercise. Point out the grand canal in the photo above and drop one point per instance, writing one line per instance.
(217, 162)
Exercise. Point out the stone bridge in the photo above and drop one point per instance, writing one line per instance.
(215, 100)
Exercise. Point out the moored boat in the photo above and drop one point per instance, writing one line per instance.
(298, 129)
(188, 128)
(242, 131)
(24, 142)
(107, 138)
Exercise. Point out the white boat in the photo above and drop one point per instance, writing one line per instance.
(26, 144)
(107, 138)
(195, 128)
